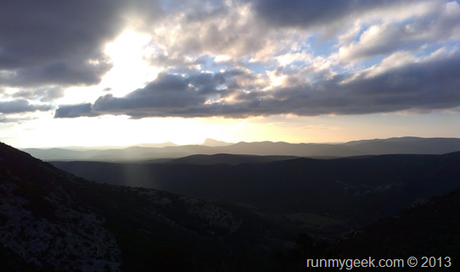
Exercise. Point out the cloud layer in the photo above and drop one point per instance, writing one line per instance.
(234, 58)
(410, 87)
(21, 106)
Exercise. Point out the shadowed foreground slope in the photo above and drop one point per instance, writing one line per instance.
(428, 232)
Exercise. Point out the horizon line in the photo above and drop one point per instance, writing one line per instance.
(203, 143)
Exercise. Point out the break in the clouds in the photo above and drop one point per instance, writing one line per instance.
(233, 58)
(46, 43)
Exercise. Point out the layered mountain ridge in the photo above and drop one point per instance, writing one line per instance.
(360, 189)
(405, 145)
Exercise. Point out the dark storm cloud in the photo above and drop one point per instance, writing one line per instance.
(69, 111)
(47, 42)
(64, 73)
(45, 94)
(312, 13)
(426, 85)
(166, 94)
(20, 106)
(59, 42)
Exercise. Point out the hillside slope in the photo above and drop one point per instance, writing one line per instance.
(53, 221)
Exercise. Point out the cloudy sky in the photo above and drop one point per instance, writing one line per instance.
(115, 72)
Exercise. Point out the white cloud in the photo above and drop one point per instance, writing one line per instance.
(440, 24)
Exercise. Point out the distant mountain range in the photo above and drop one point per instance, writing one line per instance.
(405, 145)
(229, 159)
(212, 142)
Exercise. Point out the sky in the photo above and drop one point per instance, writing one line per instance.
(115, 72)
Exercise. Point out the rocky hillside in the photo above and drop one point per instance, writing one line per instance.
(43, 224)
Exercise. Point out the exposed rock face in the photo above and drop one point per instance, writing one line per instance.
(43, 225)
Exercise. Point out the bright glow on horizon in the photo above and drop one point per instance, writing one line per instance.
(130, 132)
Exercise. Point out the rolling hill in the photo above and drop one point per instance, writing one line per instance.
(357, 189)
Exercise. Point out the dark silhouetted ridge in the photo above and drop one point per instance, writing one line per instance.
(229, 159)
